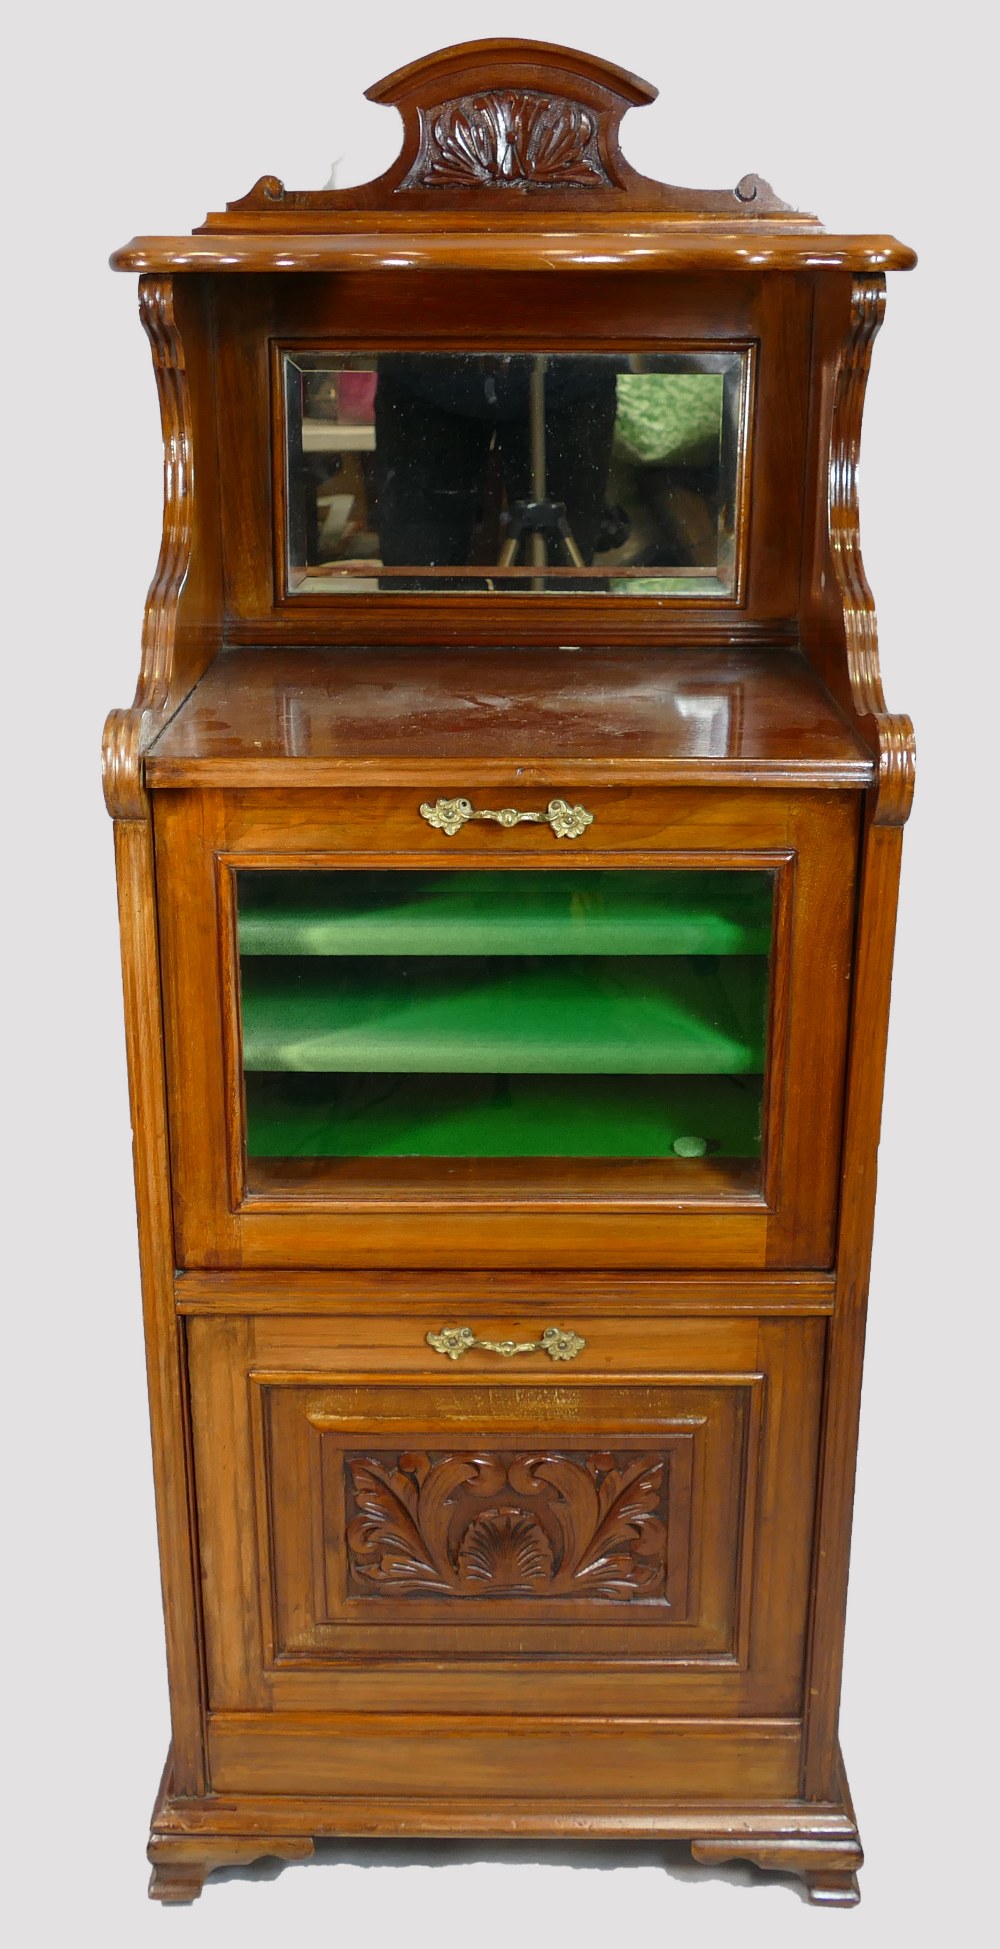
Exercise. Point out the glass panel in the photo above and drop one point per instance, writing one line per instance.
(605, 472)
(607, 1013)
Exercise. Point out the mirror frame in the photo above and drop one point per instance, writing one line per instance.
(335, 344)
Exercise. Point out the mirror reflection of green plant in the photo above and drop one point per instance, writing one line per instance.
(670, 416)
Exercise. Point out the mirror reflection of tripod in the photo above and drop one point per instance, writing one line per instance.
(540, 522)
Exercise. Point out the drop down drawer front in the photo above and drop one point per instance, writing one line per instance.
(626, 1532)
(392, 1041)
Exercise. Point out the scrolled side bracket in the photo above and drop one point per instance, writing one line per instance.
(128, 733)
(891, 732)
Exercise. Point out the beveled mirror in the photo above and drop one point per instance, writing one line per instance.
(570, 473)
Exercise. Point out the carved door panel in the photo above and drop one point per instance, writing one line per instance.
(535, 1530)
(420, 1525)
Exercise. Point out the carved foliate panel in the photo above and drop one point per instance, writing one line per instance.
(510, 138)
(508, 1525)
(482, 1538)
(567, 1517)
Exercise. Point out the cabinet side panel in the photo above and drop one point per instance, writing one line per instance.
(184, 612)
(866, 1072)
(164, 1349)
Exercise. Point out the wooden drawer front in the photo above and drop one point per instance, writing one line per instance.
(657, 1211)
(535, 1522)
(373, 824)
(368, 821)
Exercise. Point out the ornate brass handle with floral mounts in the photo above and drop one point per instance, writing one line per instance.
(556, 1341)
(567, 821)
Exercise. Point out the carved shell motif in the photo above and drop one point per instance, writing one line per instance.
(508, 140)
(556, 1525)
(506, 1549)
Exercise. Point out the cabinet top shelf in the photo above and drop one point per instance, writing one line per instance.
(314, 717)
(667, 245)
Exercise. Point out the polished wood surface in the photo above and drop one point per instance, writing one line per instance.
(506, 119)
(165, 1362)
(279, 254)
(505, 1595)
(354, 1297)
(496, 132)
(256, 319)
(479, 1212)
(493, 1755)
(839, 627)
(193, 1836)
(184, 607)
(880, 866)
(260, 717)
(301, 1435)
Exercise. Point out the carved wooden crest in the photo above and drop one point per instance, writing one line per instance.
(501, 122)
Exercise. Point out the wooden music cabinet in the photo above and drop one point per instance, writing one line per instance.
(508, 829)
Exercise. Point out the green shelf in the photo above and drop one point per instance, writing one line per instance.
(500, 1116)
(558, 912)
(637, 1015)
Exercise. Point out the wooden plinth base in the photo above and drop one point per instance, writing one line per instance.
(816, 1841)
(828, 1870)
(180, 1864)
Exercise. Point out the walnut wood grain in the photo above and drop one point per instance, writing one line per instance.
(829, 1871)
(680, 1818)
(283, 1405)
(504, 1598)
(880, 867)
(506, 120)
(353, 1297)
(228, 254)
(164, 1333)
(395, 1212)
(839, 627)
(785, 1832)
(508, 1524)
(370, 1755)
(183, 608)
(181, 1863)
(494, 132)
(893, 733)
(771, 317)
(433, 715)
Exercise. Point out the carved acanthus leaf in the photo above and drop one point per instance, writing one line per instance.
(508, 139)
(556, 1525)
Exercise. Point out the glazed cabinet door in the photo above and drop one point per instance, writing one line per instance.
(622, 1530)
(400, 1032)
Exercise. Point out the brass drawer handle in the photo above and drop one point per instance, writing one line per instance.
(567, 821)
(556, 1341)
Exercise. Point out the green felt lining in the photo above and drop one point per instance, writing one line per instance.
(618, 911)
(635, 1015)
(500, 1116)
